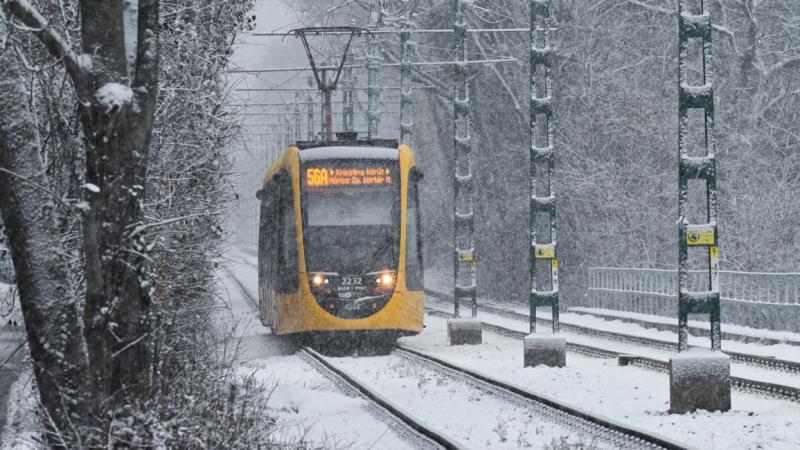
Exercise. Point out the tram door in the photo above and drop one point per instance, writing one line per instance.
(268, 247)
(277, 247)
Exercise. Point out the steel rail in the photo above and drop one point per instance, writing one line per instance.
(743, 384)
(409, 428)
(765, 362)
(253, 301)
(431, 435)
(617, 434)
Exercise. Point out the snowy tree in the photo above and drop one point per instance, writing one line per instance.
(113, 233)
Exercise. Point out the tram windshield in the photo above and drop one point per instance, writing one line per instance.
(351, 216)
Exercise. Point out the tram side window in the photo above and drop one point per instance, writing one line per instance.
(269, 242)
(414, 273)
(288, 276)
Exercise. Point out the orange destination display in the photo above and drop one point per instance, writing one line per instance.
(321, 177)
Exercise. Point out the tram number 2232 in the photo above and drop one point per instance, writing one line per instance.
(351, 281)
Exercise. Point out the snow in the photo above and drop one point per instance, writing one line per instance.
(700, 361)
(631, 395)
(737, 369)
(748, 332)
(91, 187)
(472, 416)
(542, 341)
(306, 406)
(335, 152)
(112, 96)
(781, 351)
(306, 403)
(19, 431)
(464, 323)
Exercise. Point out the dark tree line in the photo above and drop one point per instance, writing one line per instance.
(616, 133)
(113, 188)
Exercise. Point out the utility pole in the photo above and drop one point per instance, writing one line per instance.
(347, 95)
(542, 165)
(327, 112)
(465, 259)
(298, 132)
(406, 100)
(697, 168)
(693, 377)
(547, 349)
(374, 60)
(310, 111)
(465, 262)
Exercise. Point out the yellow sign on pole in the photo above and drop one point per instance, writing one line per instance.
(466, 256)
(700, 235)
(545, 251)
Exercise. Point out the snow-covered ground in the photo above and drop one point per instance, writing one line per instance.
(750, 332)
(473, 417)
(307, 407)
(737, 369)
(629, 394)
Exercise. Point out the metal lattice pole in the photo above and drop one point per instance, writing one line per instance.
(374, 65)
(347, 95)
(298, 132)
(324, 111)
(465, 259)
(542, 163)
(696, 26)
(406, 100)
(310, 113)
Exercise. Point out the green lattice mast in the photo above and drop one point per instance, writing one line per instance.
(347, 95)
(543, 239)
(465, 259)
(374, 61)
(406, 100)
(696, 26)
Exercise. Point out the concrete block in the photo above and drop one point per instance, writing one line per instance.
(545, 349)
(699, 378)
(464, 331)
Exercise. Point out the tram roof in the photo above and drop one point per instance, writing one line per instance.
(349, 152)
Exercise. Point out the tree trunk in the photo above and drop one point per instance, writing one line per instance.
(118, 132)
(48, 303)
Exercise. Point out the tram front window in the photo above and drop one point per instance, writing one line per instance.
(351, 217)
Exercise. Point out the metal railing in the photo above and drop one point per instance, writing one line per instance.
(750, 287)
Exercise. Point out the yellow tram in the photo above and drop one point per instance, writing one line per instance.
(340, 251)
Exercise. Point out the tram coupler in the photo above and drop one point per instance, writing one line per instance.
(548, 349)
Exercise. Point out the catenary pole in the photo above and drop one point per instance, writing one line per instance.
(543, 234)
(373, 77)
(464, 258)
(704, 236)
(406, 100)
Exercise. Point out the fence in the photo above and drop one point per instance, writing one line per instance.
(757, 299)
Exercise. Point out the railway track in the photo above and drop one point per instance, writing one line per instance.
(766, 362)
(742, 384)
(605, 430)
(412, 430)
(421, 435)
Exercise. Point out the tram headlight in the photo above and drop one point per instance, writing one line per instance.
(317, 280)
(386, 280)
